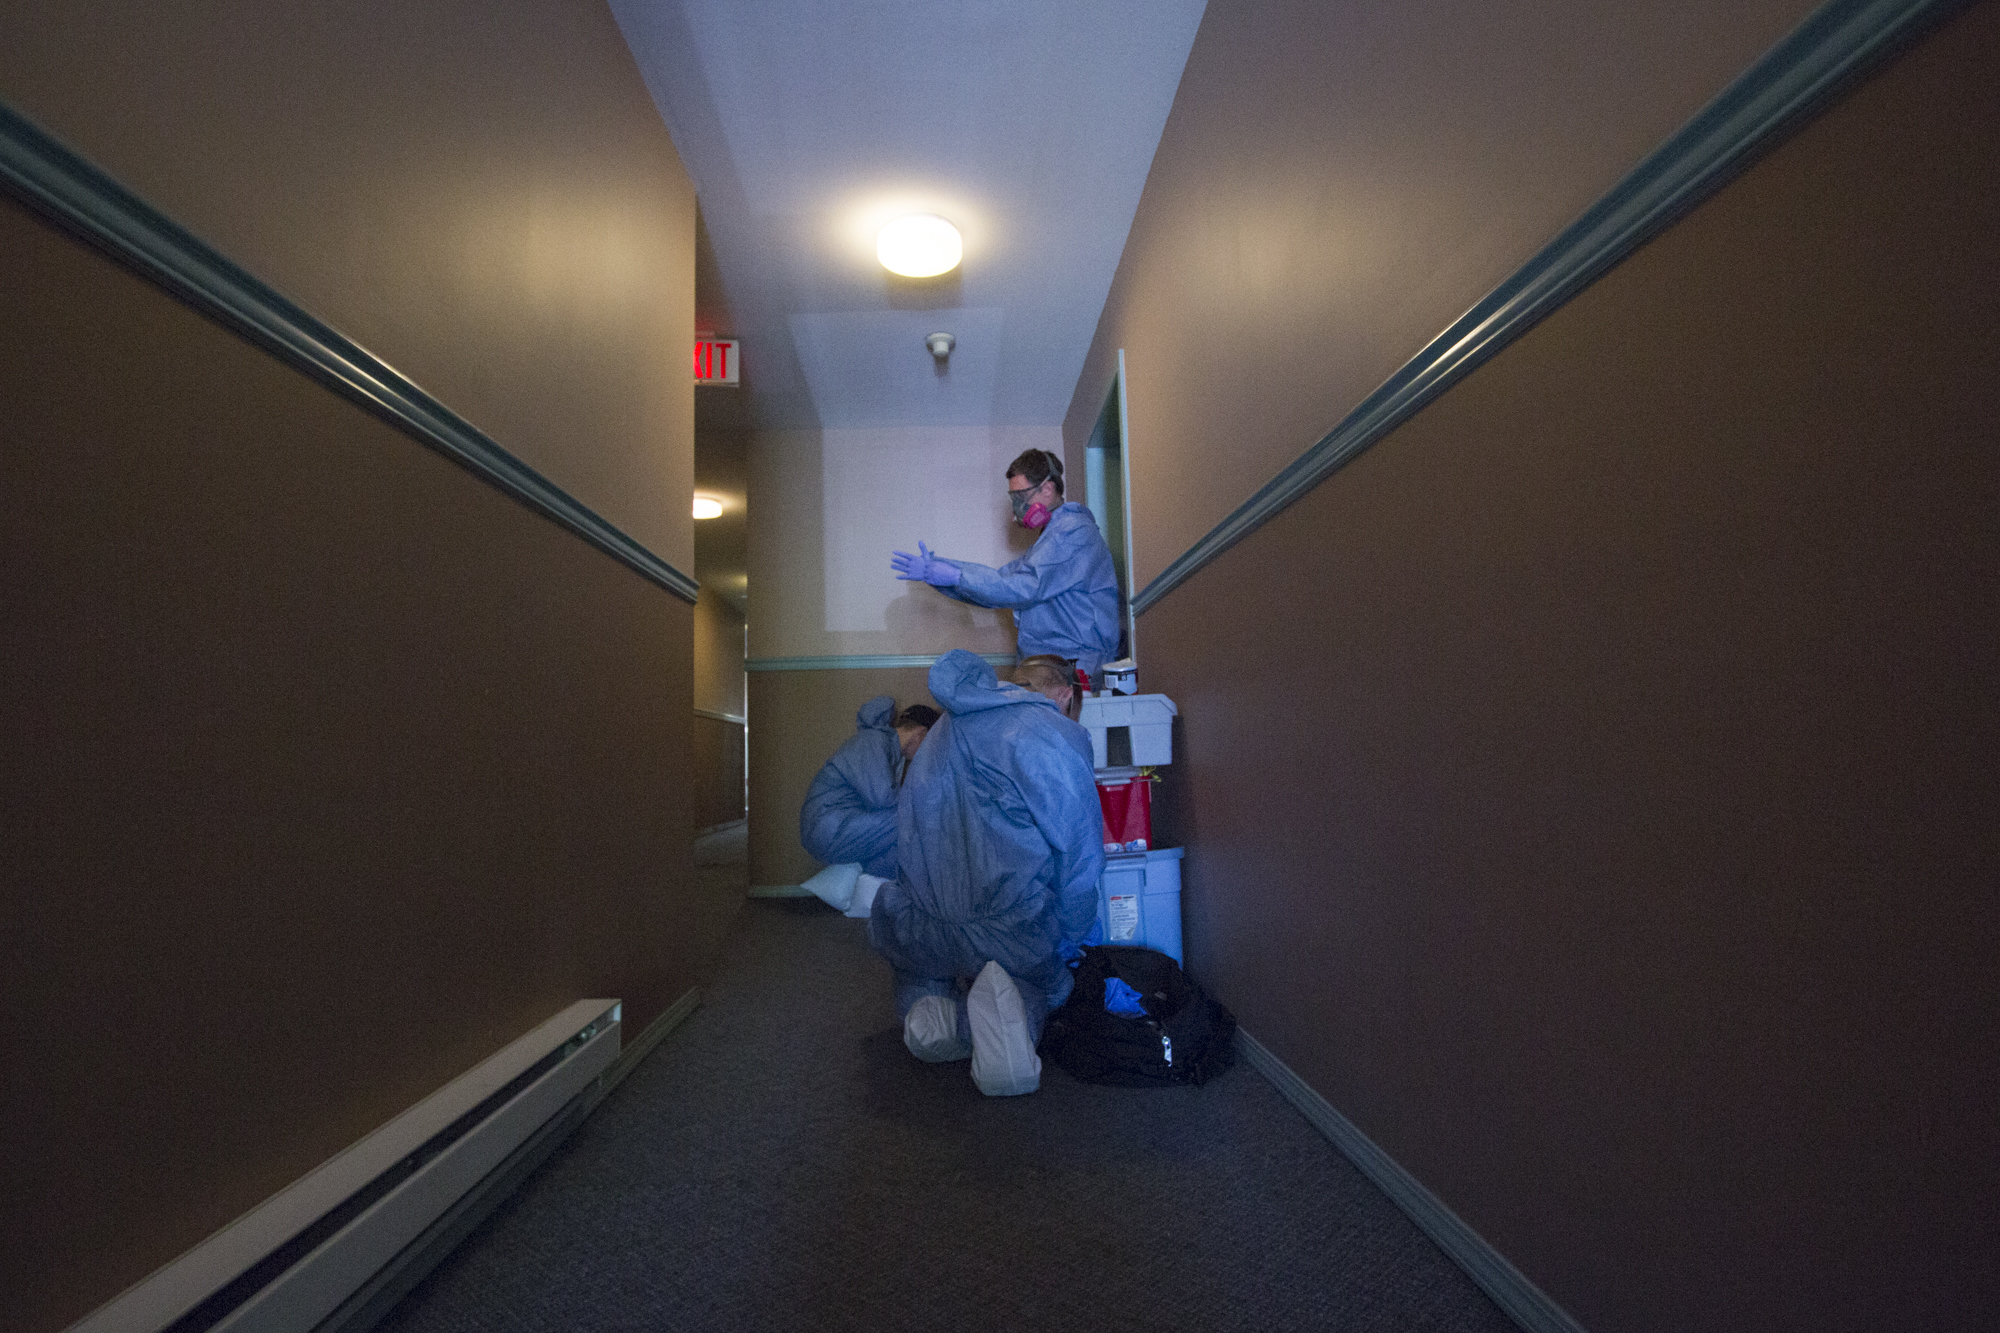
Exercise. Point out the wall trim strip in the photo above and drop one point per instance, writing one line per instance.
(862, 662)
(1518, 1298)
(1835, 46)
(44, 174)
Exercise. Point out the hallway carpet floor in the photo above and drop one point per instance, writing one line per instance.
(780, 1162)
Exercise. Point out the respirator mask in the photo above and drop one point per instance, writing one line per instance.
(1034, 516)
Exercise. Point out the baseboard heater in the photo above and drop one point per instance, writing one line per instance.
(318, 1254)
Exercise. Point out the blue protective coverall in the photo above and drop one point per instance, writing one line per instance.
(1063, 592)
(1001, 844)
(850, 809)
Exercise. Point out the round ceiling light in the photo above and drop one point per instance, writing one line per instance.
(922, 245)
(707, 506)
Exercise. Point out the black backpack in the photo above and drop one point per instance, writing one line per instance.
(1183, 1037)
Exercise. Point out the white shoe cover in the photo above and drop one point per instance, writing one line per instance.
(930, 1030)
(834, 885)
(866, 886)
(1004, 1063)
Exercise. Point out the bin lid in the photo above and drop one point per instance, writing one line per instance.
(1120, 710)
(1151, 854)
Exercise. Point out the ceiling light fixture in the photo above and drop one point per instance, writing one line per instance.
(922, 245)
(707, 506)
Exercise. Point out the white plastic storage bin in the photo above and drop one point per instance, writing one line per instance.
(1129, 729)
(1139, 900)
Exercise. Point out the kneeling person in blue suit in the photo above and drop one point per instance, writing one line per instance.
(1000, 844)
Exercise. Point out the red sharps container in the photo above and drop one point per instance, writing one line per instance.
(1128, 812)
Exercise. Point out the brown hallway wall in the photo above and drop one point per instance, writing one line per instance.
(1590, 790)
(480, 192)
(329, 768)
(1338, 182)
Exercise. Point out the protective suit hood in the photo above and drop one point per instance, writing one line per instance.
(966, 683)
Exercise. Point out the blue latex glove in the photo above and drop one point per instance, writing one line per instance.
(924, 567)
(1120, 998)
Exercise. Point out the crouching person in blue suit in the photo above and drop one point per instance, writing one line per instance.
(1000, 844)
(848, 819)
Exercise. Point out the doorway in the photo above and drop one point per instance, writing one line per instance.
(1107, 481)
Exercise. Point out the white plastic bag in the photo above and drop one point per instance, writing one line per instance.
(834, 885)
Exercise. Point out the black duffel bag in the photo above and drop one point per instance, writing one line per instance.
(1183, 1037)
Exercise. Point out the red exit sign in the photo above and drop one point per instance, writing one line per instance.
(715, 360)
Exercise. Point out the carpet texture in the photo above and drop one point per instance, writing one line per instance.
(780, 1162)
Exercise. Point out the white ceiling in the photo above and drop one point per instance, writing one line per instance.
(1030, 124)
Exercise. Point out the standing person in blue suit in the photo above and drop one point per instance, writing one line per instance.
(1000, 840)
(1063, 592)
(849, 816)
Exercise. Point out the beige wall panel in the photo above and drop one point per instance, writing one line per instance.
(478, 191)
(1337, 183)
(329, 770)
(1591, 789)
(801, 718)
(832, 505)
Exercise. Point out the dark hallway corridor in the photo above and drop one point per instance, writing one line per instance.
(1552, 450)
